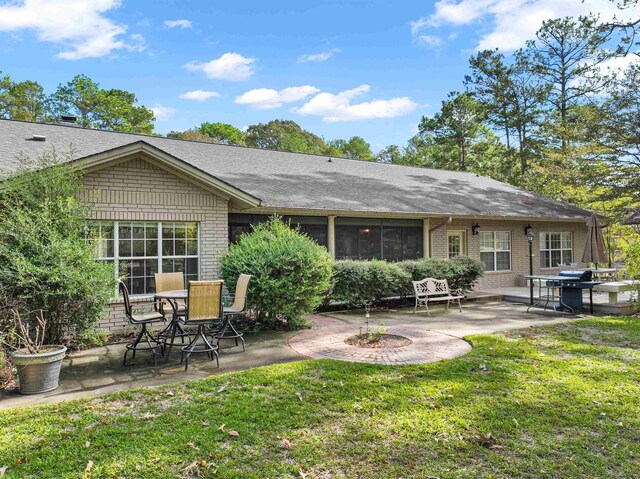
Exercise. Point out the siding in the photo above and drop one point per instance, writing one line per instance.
(137, 190)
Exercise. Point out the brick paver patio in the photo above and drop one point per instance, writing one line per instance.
(326, 340)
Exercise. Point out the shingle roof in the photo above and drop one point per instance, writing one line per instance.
(300, 181)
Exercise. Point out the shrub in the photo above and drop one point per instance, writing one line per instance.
(359, 282)
(291, 273)
(45, 262)
(356, 283)
(461, 272)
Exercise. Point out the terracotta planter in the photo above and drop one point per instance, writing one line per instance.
(39, 373)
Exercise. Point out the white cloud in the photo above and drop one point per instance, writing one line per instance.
(266, 98)
(318, 57)
(230, 66)
(79, 27)
(511, 22)
(430, 40)
(181, 23)
(199, 95)
(162, 112)
(338, 108)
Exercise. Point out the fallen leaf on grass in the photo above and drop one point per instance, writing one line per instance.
(21, 460)
(170, 393)
(89, 466)
(286, 444)
(87, 444)
(234, 433)
(3, 469)
(222, 388)
(221, 428)
(192, 445)
(148, 415)
(299, 396)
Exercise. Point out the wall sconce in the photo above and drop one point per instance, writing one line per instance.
(528, 230)
(475, 229)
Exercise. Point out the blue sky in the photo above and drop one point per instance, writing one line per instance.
(339, 68)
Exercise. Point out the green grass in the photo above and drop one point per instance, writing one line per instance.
(549, 402)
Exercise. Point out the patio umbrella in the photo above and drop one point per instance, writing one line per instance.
(594, 249)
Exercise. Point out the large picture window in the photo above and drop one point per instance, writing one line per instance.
(495, 250)
(138, 250)
(555, 249)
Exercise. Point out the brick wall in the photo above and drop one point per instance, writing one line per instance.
(137, 190)
(519, 246)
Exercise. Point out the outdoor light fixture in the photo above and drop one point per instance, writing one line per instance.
(475, 229)
(528, 230)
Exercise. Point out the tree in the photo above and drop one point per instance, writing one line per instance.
(26, 101)
(46, 264)
(455, 129)
(567, 55)
(5, 85)
(356, 148)
(223, 133)
(391, 154)
(98, 108)
(192, 135)
(285, 135)
(492, 85)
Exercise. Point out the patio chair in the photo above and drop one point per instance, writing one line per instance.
(204, 308)
(238, 308)
(177, 308)
(142, 320)
(431, 290)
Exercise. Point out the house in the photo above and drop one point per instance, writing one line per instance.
(173, 205)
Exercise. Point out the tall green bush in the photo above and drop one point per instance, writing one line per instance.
(45, 262)
(290, 272)
(356, 283)
(460, 273)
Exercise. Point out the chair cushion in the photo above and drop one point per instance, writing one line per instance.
(147, 317)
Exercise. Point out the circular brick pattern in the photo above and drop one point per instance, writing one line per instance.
(325, 340)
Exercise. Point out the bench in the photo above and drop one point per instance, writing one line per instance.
(431, 290)
(615, 287)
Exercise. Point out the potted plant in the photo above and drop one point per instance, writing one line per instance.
(38, 364)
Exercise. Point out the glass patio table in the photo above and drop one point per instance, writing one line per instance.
(175, 327)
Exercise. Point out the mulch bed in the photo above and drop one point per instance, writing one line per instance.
(385, 341)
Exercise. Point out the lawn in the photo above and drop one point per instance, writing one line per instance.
(550, 402)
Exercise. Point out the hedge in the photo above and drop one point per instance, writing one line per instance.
(358, 282)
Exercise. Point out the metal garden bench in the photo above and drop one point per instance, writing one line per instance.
(432, 290)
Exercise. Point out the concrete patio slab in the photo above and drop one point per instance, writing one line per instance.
(99, 371)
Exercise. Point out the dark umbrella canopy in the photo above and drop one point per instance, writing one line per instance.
(594, 249)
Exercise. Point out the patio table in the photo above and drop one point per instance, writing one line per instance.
(561, 282)
(172, 296)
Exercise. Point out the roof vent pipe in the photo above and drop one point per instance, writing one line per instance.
(38, 138)
(68, 119)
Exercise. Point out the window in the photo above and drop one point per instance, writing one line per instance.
(389, 239)
(495, 250)
(313, 226)
(457, 244)
(555, 249)
(138, 250)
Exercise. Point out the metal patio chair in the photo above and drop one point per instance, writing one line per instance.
(238, 308)
(176, 308)
(204, 308)
(142, 320)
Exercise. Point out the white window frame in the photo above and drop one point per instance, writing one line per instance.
(562, 258)
(463, 242)
(116, 249)
(495, 251)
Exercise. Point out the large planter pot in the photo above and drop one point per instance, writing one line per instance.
(39, 373)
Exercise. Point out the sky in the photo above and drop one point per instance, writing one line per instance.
(339, 68)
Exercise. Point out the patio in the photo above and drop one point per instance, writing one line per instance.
(601, 304)
(99, 371)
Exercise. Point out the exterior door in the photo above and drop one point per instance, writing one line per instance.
(457, 244)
